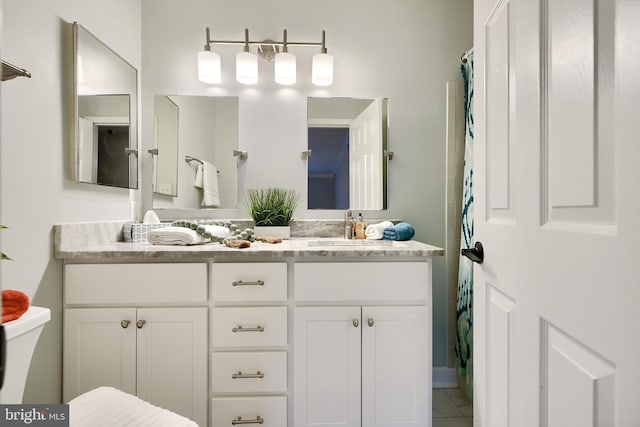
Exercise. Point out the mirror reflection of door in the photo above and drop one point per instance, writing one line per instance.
(347, 168)
(113, 160)
(365, 169)
(103, 143)
(165, 170)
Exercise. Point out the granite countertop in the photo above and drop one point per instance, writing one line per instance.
(100, 241)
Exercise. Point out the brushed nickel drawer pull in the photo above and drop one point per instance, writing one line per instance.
(140, 323)
(258, 374)
(244, 329)
(239, 420)
(125, 323)
(241, 283)
(370, 321)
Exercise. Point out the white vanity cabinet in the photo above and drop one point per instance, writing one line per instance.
(286, 335)
(367, 363)
(141, 328)
(249, 336)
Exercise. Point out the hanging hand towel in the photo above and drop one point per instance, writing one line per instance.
(207, 180)
(14, 304)
(400, 231)
(374, 231)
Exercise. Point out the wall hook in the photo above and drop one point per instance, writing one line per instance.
(241, 153)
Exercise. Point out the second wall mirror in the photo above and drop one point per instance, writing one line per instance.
(347, 166)
(105, 105)
(189, 132)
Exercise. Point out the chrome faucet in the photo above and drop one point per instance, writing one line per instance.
(348, 224)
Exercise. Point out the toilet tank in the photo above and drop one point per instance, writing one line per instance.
(22, 336)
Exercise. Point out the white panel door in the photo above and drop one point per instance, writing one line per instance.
(172, 359)
(556, 187)
(99, 350)
(365, 158)
(396, 355)
(327, 346)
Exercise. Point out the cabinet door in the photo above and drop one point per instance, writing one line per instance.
(327, 366)
(172, 360)
(395, 366)
(99, 350)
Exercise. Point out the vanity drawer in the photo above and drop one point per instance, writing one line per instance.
(245, 372)
(249, 282)
(174, 283)
(249, 326)
(271, 410)
(362, 281)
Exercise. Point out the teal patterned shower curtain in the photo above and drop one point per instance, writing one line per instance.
(464, 318)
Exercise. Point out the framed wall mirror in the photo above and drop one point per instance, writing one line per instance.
(347, 166)
(191, 134)
(105, 105)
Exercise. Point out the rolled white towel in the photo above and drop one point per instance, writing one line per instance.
(217, 231)
(174, 236)
(375, 231)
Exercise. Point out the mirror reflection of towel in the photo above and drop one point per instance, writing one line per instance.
(207, 180)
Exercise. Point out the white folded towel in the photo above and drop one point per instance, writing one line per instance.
(375, 231)
(207, 180)
(174, 236)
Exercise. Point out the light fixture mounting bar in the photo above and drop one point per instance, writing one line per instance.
(261, 42)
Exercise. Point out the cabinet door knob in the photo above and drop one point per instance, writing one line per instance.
(356, 323)
(370, 322)
(125, 324)
(140, 323)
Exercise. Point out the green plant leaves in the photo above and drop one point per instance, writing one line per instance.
(272, 206)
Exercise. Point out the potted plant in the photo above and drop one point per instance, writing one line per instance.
(272, 210)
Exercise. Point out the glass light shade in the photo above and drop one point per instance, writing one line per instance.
(322, 69)
(246, 68)
(209, 67)
(285, 68)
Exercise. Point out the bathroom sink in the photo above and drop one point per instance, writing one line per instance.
(356, 243)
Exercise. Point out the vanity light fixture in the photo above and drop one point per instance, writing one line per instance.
(246, 64)
(209, 70)
(322, 67)
(269, 51)
(285, 67)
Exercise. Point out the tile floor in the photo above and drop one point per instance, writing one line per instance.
(451, 408)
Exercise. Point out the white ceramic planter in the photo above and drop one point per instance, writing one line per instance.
(283, 231)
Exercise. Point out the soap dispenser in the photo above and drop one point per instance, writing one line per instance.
(359, 228)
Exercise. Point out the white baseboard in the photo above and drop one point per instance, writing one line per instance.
(444, 377)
